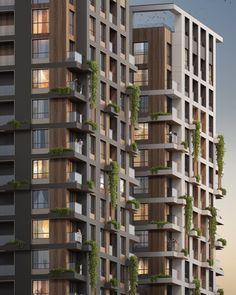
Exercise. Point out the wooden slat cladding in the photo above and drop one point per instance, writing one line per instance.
(7, 18)
(157, 132)
(59, 198)
(157, 187)
(59, 287)
(58, 169)
(58, 30)
(59, 230)
(58, 110)
(57, 77)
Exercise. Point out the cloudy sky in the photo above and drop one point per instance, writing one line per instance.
(220, 15)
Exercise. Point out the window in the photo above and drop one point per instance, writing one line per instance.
(92, 53)
(102, 180)
(93, 145)
(143, 104)
(102, 208)
(103, 267)
(103, 150)
(40, 287)
(103, 62)
(40, 79)
(103, 91)
(141, 77)
(103, 33)
(102, 121)
(123, 45)
(143, 185)
(123, 73)
(40, 139)
(40, 199)
(143, 266)
(122, 216)
(40, 21)
(122, 188)
(41, 229)
(123, 16)
(92, 27)
(102, 238)
(143, 239)
(142, 132)
(211, 74)
(186, 61)
(141, 53)
(123, 277)
(141, 213)
(122, 130)
(40, 259)
(40, 109)
(40, 48)
(169, 54)
(123, 245)
(40, 169)
(122, 159)
(103, 6)
(40, 1)
(142, 159)
(71, 22)
(92, 204)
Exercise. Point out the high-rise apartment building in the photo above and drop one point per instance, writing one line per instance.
(65, 147)
(175, 55)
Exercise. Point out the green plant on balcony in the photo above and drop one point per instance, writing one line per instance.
(61, 90)
(220, 153)
(14, 124)
(212, 225)
(155, 278)
(93, 66)
(198, 230)
(93, 262)
(63, 212)
(220, 292)
(114, 282)
(188, 212)
(15, 184)
(197, 284)
(185, 144)
(159, 223)
(134, 202)
(223, 190)
(114, 106)
(210, 261)
(115, 223)
(155, 170)
(184, 251)
(18, 243)
(58, 151)
(90, 184)
(92, 124)
(198, 178)
(156, 115)
(135, 103)
(55, 272)
(196, 139)
(113, 182)
(133, 270)
(223, 241)
(134, 147)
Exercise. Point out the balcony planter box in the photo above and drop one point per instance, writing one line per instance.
(111, 110)
(130, 207)
(193, 233)
(219, 245)
(108, 285)
(131, 150)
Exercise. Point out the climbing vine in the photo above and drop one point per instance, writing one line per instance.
(188, 213)
(196, 140)
(133, 269)
(94, 82)
(113, 182)
(220, 152)
(93, 262)
(135, 102)
(197, 284)
(212, 225)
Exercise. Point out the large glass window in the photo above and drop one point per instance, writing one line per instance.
(40, 78)
(40, 169)
(40, 287)
(143, 239)
(41, 229)
(142, 212)
(142, 159)
(142, 132)
(143, 185)
(40, 48)
(40, 139)
(40, 21)
(40, 259)
(141, 77)
(141, 53)
(143, 266)
(40, 109)
(40, 199)
(143, 104)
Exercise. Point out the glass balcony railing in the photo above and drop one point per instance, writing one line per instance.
(7, 30)
(7, 90)
(7, 2)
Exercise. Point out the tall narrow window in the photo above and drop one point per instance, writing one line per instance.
(141, 53)
(40, 259)
(71, 22)
(40, 109)
(40, 78)
(40, 287)
(40, 21)
(40, 48)
(40, 199)
(41, 229)
(40, 139)
(40, 169)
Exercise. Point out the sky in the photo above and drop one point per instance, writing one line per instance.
(220, 15)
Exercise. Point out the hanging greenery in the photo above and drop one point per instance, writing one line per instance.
(196, 140)
(188, 212)
(223, 241)
(220, 153)
(115, 223)
(155, 278)
(134, 202)
(62, 211)
(94, 82)
(135, 102)
(160, 223)
(212, 225)
(93, 263)
(133, 270)
(114, 282)
(210, 261)
(18, 243)
(197, 284)
(113, 182)
(184, 251)
(220, 292)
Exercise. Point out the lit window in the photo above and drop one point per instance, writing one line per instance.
(40, 48)
(40, 109)
(40, 287)
(40, 79)
(142, 159)
(142, 212)
(143, 266)
(102, 180)
(40, 199)
(122, 188)
(40, 21)
(40, 259)
(41, 229)
(40, 169)
(40, 139)
(142, 131)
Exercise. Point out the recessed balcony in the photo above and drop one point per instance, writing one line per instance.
(4, 239)
(74, 177)
(8, 30)
(7, 90)
(76, 207)
(7, 210)
(7, 270)
(75, 56)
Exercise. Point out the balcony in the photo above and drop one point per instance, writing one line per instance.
(7, 2)
(75, 56)
(74, 177)
(7, 150)
(74, 117)
(4, 179)
(171, 169)
(76, 146)
(4, 239)
(7, 90)
(75, 237)
(4, 119)
(7, 30)
(7, 210)
(7, 60)
(7, 270)
(76, 207)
